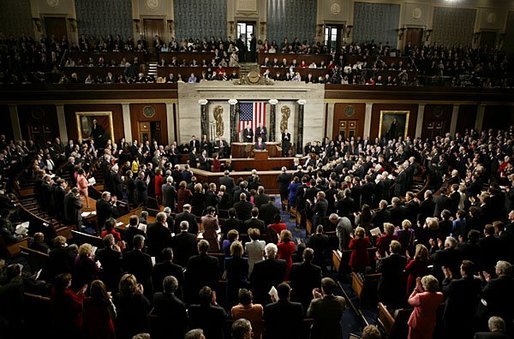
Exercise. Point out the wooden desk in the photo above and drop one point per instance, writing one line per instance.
(272, 164)
(308, 58)
(186, 57)
(261, 155)
(185, 72)
(245, 149)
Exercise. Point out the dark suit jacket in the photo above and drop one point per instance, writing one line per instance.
(261, 199)
(189, 217)
(391, 287)
(72, 206)
(491, 335)
(232, 224)
(111, 266)
(461, 302)
(267, 213)
(129, 234)
(265, 274)
(169, 196)
(243, 210)
(210, 318)
(228, 182)
(171, 315)
(278, 314)
(304, 277)
(162, 270)
(202, 270)
(260, 147)
(499, 295)
(254, 223)
(140, 265)
(104, 211)
(184, 247)
(159, 237)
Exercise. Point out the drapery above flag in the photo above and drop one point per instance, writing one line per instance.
(252, 114)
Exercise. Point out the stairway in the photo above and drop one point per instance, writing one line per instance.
(247, 67)
(152, 69)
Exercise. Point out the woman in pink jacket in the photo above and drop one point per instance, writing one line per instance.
(426, 300)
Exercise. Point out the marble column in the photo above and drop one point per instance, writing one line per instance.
(367, 119)
(480, 118)
(233, 120)
(127, 123)
(170, 116)
(15, 122)
(419, 121)
(204, 118)
(455, 117)
(273, 119)
(61, 122)
(299, 127)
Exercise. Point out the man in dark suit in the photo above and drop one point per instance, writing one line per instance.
(158, 236)
(284, 179)
(208, 315)
(281, 312)
(426, 208)
(490, 248)
(259, 145)
(169, 194)
(461, 300)
(267, 273)
(327, 310)
(442, 202)
(261, 132)
(139, 264)
(59, 194)
(166, 268)
(202, 270)
(391, 290)
(110, 259)
(261, 197)
(194, 143)
(131, 230)
(254, 222)
(189, 217)
(286, 143)
(105, 209)
(381, 216)
(167, 306)
(227, 181)
(232, 223)
(72, 207)
(247, 134)
(305, 277)
(499, 294)
(268, 211)
(184, 244)
(243, 208)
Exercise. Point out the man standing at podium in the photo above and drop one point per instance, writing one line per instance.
(248, 134)
(260, 145)
(261, 132)
(286, 143)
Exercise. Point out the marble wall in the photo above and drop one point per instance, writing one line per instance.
(286, 93)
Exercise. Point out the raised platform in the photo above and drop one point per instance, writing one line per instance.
(271, 164)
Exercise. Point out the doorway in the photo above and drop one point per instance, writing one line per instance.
(245, 30)
(414, 36)
(56, 27)
(149, 131)
(333, 36)
(347, 128)
(153, 27)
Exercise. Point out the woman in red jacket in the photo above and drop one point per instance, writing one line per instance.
(286, 248)
(426, 300)
(99, 313)
(416, 267)
(359, 245)
(158, 181)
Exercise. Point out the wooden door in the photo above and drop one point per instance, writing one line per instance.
(415, 36)
(346, 128)
(145, 132)
(152, 28)
(56, 27)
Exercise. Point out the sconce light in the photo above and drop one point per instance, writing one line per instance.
(231, 28)
(348, 30)
(37, 23)
(171, 26)
(401, 32)
(73, 24)
(263, 27)
(136, 22)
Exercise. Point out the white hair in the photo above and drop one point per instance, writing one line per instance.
(271, 250)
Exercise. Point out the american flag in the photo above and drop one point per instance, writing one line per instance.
(252, 114)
